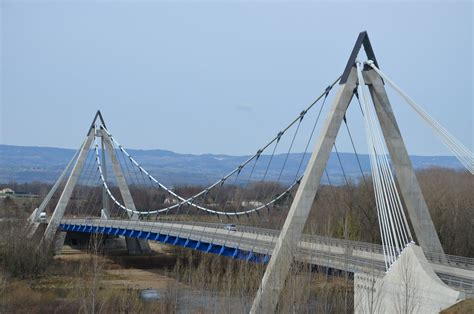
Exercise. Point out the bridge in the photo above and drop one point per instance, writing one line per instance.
(101, 186)
(257, 244)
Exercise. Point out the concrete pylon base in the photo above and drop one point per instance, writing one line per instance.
(59, 242)
(137, 246)
(409, 286)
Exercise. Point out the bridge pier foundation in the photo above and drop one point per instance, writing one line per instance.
(409, 286)
(59, 242)
(137, 246)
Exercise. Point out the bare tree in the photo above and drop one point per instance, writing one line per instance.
(90, 275)
(3, 286)
(408, 291)
(370, 293)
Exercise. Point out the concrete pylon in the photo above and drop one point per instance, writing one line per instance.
(105, 213)
(52, 228)
(134, 245)
(34, 219)
(36, 213)
(274, 278)
(417, 209)
(58, 213)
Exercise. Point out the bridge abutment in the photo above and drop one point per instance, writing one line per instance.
(409, 286)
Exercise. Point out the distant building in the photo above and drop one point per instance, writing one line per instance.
(170, 201)
(251, 204)
(7, 192)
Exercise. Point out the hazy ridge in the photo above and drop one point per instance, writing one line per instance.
(29, 163)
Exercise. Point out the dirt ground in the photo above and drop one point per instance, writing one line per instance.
(120, 270)
(463, 307)
(140, 279)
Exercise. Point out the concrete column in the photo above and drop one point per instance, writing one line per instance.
(66, 195)
(409, 187)
(134, 246)
(36, 213)
(59, 242)
(105, 197)
(282, 257)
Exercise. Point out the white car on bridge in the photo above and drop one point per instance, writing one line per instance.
(230, 227)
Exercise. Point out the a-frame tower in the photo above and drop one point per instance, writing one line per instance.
(134, 245)
(277, 270)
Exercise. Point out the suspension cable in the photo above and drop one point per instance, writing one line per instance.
(190, 200)
(461, 152)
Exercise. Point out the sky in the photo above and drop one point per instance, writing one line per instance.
(222, 77)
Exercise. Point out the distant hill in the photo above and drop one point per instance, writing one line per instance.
(26, 164)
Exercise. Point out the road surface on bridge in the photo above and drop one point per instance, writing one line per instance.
(351, 256)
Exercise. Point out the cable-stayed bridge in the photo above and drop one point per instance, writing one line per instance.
(256, 244)
(105, 190)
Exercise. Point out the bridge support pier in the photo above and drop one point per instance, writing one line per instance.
(59, 242)
(409, 286)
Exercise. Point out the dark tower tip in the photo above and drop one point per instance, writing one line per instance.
(362, 40)
(98, 115)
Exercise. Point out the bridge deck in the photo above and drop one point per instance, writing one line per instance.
(257, 244)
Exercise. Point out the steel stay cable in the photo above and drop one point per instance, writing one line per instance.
(125, 163)
(452, 142)
(57, 185)
(354, 148)
(227, 201)
(91, 201)
(355, 151)
(387, 174)
(91, 174)
(377, 177)
(88, 165)
(142, 171)
(193, 226)
(391, 196)
(249, 179)
(379, 203)
(312, 131)
(462, 153)
(183, 199)
(257, 196)
(386, 187)
(87, 175)
(386, 169)
(390, 241)
(340, 164)
(287, 155)
(130, 215)
(97, 195)
(118, 204)
(236, 169)
(188, 201)
(143, 183)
